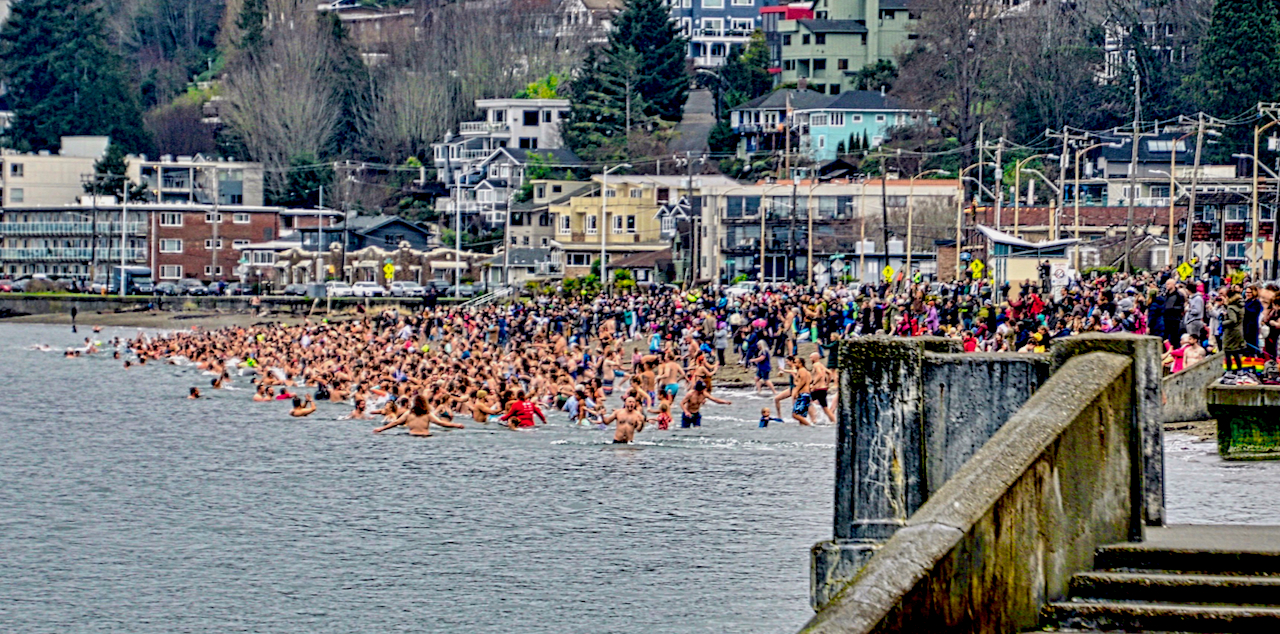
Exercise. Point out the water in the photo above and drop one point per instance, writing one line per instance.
(125, 507)
(1202, 488)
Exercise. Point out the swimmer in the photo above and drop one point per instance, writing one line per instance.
(664, 416)
(692, 405)
(418, 419)
(302, 407)
(194, 393)
(799, 391)
(767, 417)
(630, 421)
(482, 410)
(522, 413)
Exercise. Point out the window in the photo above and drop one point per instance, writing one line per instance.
(743, 3)
(837, 118)
(610, 193)
(565, 226)
(236, 199)
(499, 116)
(240, 219)
(822, 142)
(857, 118)
(540, 191)
(239, 244)
(546, 241)
(804, 39)
(213, 218)
(209, 270)
(842, 64)
(880, 118)
(820, 39)
(170, 272)
(617, 225)
(1237, 250)
(262, 257)
(886, 15)
(636, 192)
(579, 259)
(556, 189)
(819, 120)
(786, 40)
(819, 64)
(1237, 213)
(16, 195)
(170, 220)
(713, 26)
(631, 224)
(546, 116)
(742, 26)
(208, 244)
(171, 246)
(16, 169)
(896, 201)
(531, 118)
(528, 143)
(713, 4)
(788, 64)
(592, 225)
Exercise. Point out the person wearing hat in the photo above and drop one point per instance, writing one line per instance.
(483, 409)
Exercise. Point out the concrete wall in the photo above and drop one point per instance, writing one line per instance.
(61, 304)
(1005, 534)
(1184, 393)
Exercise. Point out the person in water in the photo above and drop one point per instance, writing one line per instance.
(767, 417)
(418, 419)
(194, 393)
(692, 405)
(302, 408)
(630, 421)
(522, 412)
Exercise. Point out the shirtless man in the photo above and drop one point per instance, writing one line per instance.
(691, 406)
(800, 391)
(482, 407)
(669, 375)
(418, 418)
(822, 378)
(630, 421)
(302, 408)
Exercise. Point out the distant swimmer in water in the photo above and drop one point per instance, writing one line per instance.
(263, 394)
(302, 407)
(630, 420)
(482, 408)
(522, 412)
(767, 417)
(418, 418)
(194, 393)
(692, 405)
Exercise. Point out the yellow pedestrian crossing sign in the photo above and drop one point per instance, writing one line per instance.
(887, 272)
(1185, 270)
(976, 266)
(389, 270)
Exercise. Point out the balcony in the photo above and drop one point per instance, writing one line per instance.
(68, 228)
(58, 254)
(472, 128)
(742, 34)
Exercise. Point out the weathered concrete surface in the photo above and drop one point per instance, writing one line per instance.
(1184, 393)
(1148, 429)
(1248, 421)
(1005, 534)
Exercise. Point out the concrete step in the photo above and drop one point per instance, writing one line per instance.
(1177, 588)
(1212, 561)
(1133, 616)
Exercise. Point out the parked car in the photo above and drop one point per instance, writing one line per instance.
(168, 288)
(465, 289)
(339, 289)
(368, 289)
(296, 289)
(740, 289)
(6, 286)
(407, 289)
(238, 288)
(194, 287)
(440, 286)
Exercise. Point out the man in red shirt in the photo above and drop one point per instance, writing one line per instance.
(521, 412)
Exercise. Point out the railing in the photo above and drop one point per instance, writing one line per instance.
(175, 183)
(489, 298)
(721, 33)
(481, 127)
(78, 254)
(67, 228)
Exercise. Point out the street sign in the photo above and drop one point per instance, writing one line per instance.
(389, 270)
(819, 268)
(887, 272)
(1254, 252)
(1185, 270)
(976, 266)
(1202, 250)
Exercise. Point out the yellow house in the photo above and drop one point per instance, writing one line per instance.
(628, 213)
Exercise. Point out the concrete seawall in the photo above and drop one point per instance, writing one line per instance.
(1184, 392)
(1005, 534)
(54, 304)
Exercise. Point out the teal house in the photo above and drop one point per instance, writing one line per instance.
(852, 119)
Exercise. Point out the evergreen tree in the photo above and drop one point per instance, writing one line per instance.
(110, 173)
(607, 104)
(64, 78)
(1240, 58)
(351, 85)
(874, 76)
(646, 26)
(252, 25)
(746, 76)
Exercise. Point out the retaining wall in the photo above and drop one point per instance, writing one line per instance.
(1184, 392)
(1004, 535)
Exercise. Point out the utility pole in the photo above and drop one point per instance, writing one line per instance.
(1254, 253)
(1195, 178)
(999, 180)
(217, 220)
(884, 202)
(1133, 170)
(1067, 138)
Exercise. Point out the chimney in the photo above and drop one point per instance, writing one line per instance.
(881, 90)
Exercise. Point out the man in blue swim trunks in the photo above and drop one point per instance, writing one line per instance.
(763, 367)
(691, 406)
(799, 390)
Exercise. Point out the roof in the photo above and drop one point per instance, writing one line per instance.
(1217, 198)
(558, 156)
(1001, 237)
(681, 182)
(645, 260)
(834, 26)
(603, 5)
(864, 100)
(523, 256)
(1098, 216)
(895, 4)
(777, 100)
(361, 224)
(1119, 150)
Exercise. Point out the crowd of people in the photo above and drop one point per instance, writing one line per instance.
(510, 364)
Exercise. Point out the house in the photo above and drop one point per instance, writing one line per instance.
(198, 179)
(854, 117)
(715, 27)
(499, 177)
(761, 122)
(532, 223)
(383, 231)
(1222, 224)
(650, 267)
(843, 36)
(374, 30)
(44, 179)
(203, 242)
(530, 124)
(526, 265)
(586, 21)
(769, 19)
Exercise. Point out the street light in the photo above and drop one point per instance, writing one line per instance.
(960, 209)
(1255, 251)
(1017, 190)
(1076, 196)
(604, 214)
(1275, 214)
(911, 196)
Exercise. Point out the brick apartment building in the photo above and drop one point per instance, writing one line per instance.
(199, 243)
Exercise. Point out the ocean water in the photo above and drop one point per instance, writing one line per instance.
(126, 507)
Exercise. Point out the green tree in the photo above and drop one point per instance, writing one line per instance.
(546, 88)
(722, 138)
(745, 77)
(874, 76)
(306, 176)
(646, 26)
(607, 104)
(252, 25)
(110, 176)
(1239, 62)
(64, 78)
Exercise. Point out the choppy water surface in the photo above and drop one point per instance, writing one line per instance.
(125, 507)
(1202, 488)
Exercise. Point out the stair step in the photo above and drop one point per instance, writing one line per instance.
(1133, 616)
(1146, 557)
(1177, 588)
